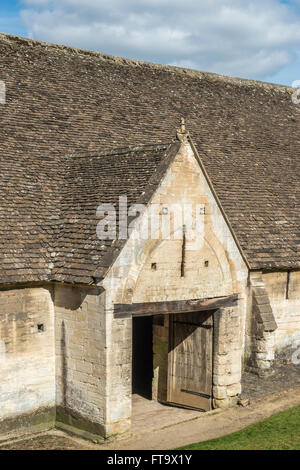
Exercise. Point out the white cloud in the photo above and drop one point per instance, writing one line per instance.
(249, 38)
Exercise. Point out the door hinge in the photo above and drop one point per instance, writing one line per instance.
(204, 395)
(207, 327)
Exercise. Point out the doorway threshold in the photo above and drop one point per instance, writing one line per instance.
(148, 415)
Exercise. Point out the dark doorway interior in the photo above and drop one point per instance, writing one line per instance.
(142, 356)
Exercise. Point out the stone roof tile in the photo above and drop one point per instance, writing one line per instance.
(63, 101)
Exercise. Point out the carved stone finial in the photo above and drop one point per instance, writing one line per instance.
(182, 133)
(182, 127)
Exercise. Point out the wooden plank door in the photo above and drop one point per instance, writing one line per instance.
(190, 360)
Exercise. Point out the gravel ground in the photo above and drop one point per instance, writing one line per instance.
(284, 378)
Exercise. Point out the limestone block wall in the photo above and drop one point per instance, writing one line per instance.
(27, 358)
(284, 295)
(80, 345)
(119, 358)
(227, 365)
(149, 270)
(261, 328)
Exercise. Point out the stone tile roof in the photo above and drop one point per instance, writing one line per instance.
(66, 101)
(92, 179)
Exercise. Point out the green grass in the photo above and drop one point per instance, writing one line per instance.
(279, 432)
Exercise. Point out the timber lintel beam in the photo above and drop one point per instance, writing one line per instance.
(172, 307)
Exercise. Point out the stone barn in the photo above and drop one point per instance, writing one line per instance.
(140, 254)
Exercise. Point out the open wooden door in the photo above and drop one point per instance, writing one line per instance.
(191, 360)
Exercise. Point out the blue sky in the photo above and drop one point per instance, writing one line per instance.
(10, 21)
(257, 39)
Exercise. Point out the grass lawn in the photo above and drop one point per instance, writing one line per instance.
(279, 432)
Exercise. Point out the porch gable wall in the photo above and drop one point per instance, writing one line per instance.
(150, 271)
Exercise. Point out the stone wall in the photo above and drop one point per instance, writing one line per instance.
(27, 359)
(260, 329)
(80, 359)
(84, 364)
(273, 320)
(227, 365)
(53, 360)
(286, 311)
(119, 357)
(150, 270)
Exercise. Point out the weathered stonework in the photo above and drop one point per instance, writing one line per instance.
(27, 358)
(62, 351)
(284, 297)
(30, 396)
(227, 357)
(66, 361)
(273, 326)
(80, 359)
(260, 354)
(213, 267)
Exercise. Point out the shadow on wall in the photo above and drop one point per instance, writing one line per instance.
(71, 298)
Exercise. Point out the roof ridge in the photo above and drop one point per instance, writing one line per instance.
(137, 63)
(119, 150)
